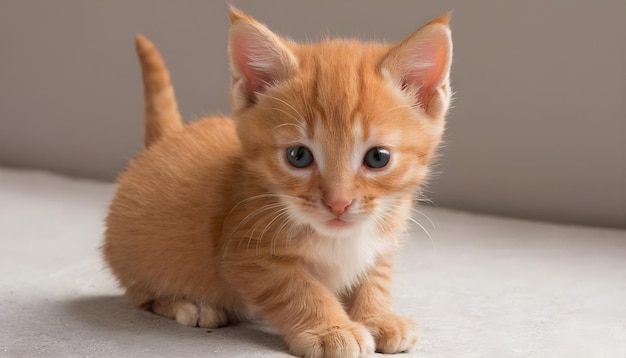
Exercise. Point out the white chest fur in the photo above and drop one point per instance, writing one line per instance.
(340, 262)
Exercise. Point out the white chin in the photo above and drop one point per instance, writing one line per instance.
(336, 228)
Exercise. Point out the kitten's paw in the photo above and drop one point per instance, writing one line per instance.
(189, 314)
(186, 313)
(392, 333)
(345, 341)
(211, 317)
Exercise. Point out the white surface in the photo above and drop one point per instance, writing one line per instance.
(496, 288)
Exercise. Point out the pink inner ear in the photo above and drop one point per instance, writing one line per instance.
(240, 52)
(438, 55)
(249, 57)
(429, 70)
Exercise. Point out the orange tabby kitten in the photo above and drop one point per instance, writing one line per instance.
(291, 212)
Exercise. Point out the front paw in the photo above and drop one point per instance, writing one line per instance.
(392, 333)
(348, 340)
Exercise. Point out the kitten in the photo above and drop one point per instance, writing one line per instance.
(292, 211)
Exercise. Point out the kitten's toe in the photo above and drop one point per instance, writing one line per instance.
(393, 333)
(350, 341)
(187, 313)
(212, 317)
(190, 314)
(183, 311)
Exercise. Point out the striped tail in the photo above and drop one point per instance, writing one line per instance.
(162, 115)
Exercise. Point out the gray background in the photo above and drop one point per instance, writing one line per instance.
(538, 128)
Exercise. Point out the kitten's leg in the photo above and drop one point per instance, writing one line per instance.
(188, 313)
(310, 318)
(370, 304)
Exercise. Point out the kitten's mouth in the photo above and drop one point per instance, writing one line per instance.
(338, 223)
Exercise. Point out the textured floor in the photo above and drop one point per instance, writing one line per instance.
(493, 287)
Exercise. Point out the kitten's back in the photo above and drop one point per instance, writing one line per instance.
(172, 197)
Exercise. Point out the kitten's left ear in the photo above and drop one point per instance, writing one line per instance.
(420, 65)
(258, 59)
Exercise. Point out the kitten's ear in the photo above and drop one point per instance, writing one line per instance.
(420, 65)
(258, 59)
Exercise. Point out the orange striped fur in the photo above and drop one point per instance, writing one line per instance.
(161, 107)
(211, 223)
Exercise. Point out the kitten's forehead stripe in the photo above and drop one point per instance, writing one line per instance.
(360, 81)
(366, 129)
(319, 153)
(337, 84)
(359, 142)
(317, 108)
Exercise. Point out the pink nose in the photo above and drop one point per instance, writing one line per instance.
(338, 206)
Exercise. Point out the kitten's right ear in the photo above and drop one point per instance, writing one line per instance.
(420, 66)
(258, 59)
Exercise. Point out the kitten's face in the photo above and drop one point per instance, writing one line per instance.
(342, 145)
(334, 131)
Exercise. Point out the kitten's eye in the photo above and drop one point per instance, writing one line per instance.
(299, 157)
(376, 157)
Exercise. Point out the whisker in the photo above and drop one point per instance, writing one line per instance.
(299, 120)
(290, 124)
(427, 234)
(393, 109)
(290, 233)
(245, 220)
(425, 216)
(278, 214)
(260, 196)
(415, 211)
(281, 216)
(382, 224)
(251, 231)
(254, 213)
(284, 102)
(282, 226)
(409, 218)
(425, 201)
(265, 195)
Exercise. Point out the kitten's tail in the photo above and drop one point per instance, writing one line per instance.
(162, 115)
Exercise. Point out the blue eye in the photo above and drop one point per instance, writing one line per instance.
(299, 156)
(376, 158)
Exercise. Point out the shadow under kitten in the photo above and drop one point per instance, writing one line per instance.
(114, 318)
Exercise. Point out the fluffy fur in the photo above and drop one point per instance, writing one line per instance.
(211, 224)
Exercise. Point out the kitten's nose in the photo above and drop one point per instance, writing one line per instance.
(338, 206)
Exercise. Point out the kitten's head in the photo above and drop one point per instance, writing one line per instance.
(342, 131)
